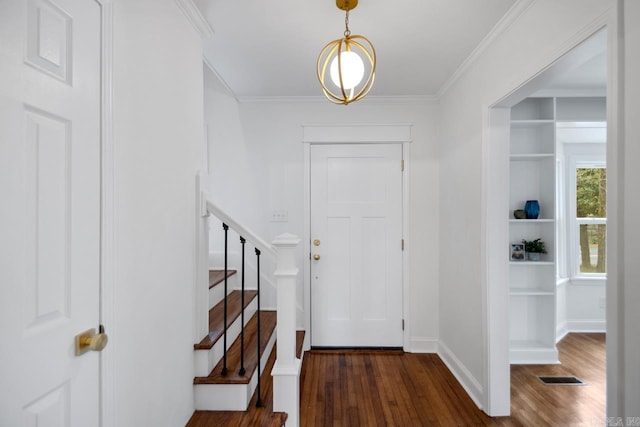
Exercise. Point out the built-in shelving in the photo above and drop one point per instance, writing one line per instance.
(532, 289)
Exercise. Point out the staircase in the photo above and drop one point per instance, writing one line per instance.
(240, 376)
(232, 399)
(217, 388)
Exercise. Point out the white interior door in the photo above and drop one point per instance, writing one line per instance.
(50, 100)
(356, 234)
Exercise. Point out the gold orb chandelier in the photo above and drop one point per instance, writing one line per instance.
(344, 63)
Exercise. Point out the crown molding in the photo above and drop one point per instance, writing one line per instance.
(219, 77)
(195, 18)
(318, 99)
(505, 22)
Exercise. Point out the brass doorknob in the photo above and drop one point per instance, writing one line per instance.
(316, 256)
(89, 340)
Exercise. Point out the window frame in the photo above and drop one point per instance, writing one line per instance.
(580, 161)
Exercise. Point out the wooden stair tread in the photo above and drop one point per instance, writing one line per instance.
(262, 416)
(299, 342)
(267, 325)
(217, 276)
(253, 416)
(216, 317)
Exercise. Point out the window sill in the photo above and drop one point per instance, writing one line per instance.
(589, 281)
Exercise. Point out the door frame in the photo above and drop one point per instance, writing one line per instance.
(494, 269)
(351, 134)
(106, 380)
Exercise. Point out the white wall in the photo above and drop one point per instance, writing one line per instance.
(157, 149)
(539, 35)
(447, 194)
(256, 163)
(623, 299)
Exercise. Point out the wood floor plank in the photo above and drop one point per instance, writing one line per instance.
(342, 388)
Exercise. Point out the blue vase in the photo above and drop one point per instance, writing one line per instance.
(532, 209)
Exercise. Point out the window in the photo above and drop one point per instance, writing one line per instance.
(590, 225)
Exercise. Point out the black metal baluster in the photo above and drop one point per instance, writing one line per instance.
(259, 399)
(242, 370)
(226, 275)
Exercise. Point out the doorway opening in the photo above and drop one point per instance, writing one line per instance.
(536, 133)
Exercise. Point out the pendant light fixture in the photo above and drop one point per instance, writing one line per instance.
(347, 66)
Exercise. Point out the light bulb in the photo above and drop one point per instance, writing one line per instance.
(352, 70)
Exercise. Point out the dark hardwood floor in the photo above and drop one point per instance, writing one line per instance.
(403, 389)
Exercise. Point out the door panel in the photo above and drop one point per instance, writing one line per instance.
(356, 215)
(50, 100)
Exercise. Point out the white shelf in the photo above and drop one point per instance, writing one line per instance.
(528, 123)
(531, 157)
(523, 292)
(532, 263)
(532, 221)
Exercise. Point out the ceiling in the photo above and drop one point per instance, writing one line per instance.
(266, 48)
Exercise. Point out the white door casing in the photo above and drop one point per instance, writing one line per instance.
(50, 166)
(356, 217)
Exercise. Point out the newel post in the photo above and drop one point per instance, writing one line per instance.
(286, 371)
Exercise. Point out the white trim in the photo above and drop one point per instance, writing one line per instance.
(525, 86)
(494, 269)
(573, 161)
(522, 87)
(422, 345)
(306, 265)
(195, 18)
(107, 262)
(217, 75)
(599, 281)
(586, 325)
(462, 374)
(201, 277)
(354, 134)
(503, 24)
(406, 253)
(615, 304)
(319, 99)
(562, 329)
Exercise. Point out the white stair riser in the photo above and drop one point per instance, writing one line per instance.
(217, 292)
(231, 397)
(206, 360)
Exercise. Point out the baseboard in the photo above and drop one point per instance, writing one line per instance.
(562, 330)
(462, 374)
(422, 345)
(587, 325)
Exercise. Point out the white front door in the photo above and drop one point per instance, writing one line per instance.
(356, 236)
(50, 162)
